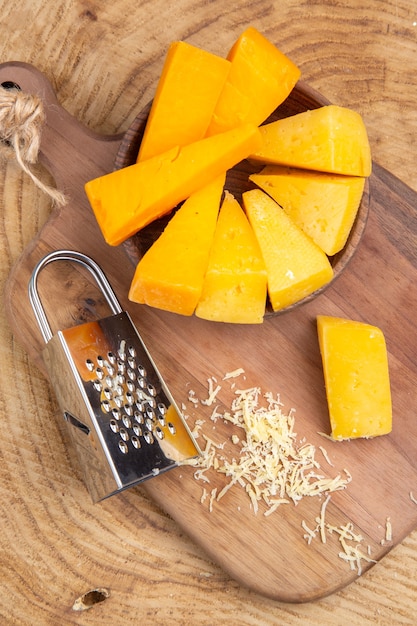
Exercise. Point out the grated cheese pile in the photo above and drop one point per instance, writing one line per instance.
(265, 460)
(262, 457)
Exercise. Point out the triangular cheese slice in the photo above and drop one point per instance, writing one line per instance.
(170, 275)
(234, 288)
(295, 265)
(323, 205)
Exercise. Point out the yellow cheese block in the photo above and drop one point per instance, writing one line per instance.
(329, 139)
(323, 205)
(188, 89)
(295, 265)
(128, 199)
(170, 275)
(260, 79)
(234, 288)
(356, 374)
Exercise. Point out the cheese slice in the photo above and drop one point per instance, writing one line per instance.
(188, 89)
(356, 374)
(260, 79)
(323, 205)
(329, 139)
(234, 288)
(170, 275)
(128, 199)
(296, 266)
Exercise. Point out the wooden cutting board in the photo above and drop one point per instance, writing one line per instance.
(267, 554)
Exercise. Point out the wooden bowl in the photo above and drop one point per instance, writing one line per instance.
(302, 98)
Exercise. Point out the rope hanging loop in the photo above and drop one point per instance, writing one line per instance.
(22, 118)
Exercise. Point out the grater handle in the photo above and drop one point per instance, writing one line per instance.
(77, 257)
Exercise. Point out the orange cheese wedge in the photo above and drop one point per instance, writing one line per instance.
(234, 288)
(128, 199)
(170, 275)
(323, 205)
(329, 139)
(187, 92)
(295, 265)
(260, 79)
(355, 365)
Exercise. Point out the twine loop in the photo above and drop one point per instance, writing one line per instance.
(22, 118)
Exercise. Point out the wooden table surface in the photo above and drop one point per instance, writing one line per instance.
(103, 60)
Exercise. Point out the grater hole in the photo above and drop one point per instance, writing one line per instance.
(119, 401)
(123, 447)
(100, 361)
(151, 390)
(137, 430)
(132, 351)
(150, 412)
(159, 432)
(110, 370)
(142, 371)
(128, 409)
(136, 442)
(171, 428)
(148, 437)
(108, 381)
(105, 405)
(97, 385)
(127, 421)
(111, 357)
(139, 417)
(124, 434)
(116, 413)
(89, 365)
(114, 425)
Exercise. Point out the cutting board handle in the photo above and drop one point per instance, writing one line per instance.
(70, 151)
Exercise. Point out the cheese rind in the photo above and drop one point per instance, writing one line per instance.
(234, 288)
(329, 139)
(323, 205)
(188, 89)
(170, 274)
(128, 199)
(260, 79)
(356, 374)
(296, 266)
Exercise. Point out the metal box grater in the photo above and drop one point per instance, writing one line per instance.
(122, 419)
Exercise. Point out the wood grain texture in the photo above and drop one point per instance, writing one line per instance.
(104, 62)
